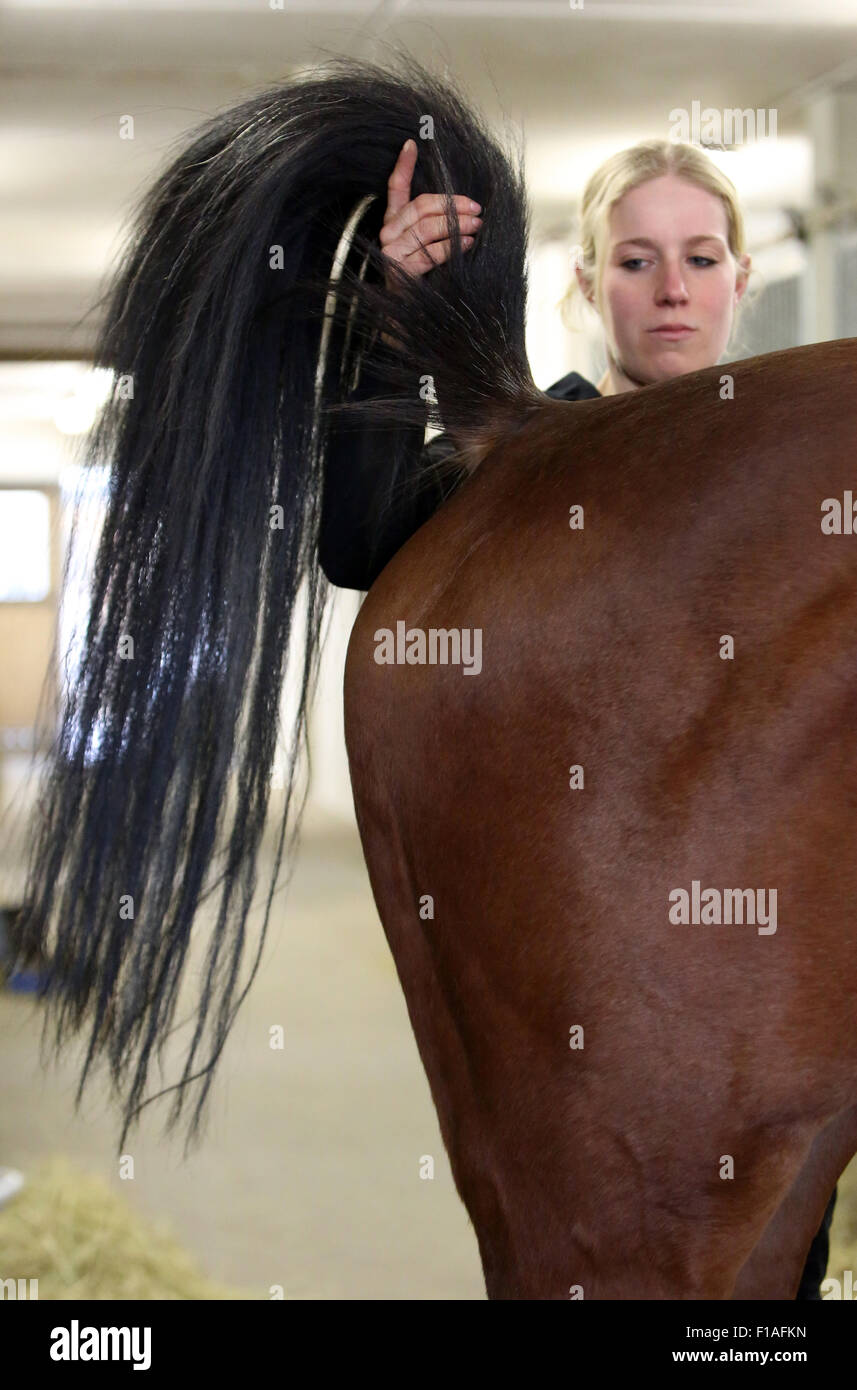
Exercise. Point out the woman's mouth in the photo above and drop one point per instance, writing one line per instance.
(673, 331)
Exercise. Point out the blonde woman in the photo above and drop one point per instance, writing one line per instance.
(663, 263)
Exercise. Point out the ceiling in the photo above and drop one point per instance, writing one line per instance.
(578, 82)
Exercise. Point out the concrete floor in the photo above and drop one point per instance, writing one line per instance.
(308, 1175)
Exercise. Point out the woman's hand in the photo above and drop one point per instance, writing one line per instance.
(408, 221)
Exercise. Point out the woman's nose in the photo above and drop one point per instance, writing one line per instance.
(671, 288)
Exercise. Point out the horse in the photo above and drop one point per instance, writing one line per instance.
(596, 1064)
(640, 1095)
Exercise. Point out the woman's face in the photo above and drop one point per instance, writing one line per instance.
(668, 263)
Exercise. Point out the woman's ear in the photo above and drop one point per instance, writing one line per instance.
(742, 276)
(585, 286)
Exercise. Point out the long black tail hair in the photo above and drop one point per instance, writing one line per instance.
(232, 330)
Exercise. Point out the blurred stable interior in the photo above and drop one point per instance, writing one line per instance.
(317, 1174)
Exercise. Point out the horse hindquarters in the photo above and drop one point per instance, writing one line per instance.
(656, 1155)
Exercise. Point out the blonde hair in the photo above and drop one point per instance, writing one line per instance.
(627, 169)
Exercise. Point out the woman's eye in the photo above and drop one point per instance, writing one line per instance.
(634, 262)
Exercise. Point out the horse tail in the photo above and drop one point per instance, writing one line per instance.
(250, 287)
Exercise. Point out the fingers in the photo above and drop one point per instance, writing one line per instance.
(436, 247)
(424, 206)
(419, 262)
(440, 252)
(399, 182)
(426, 230)
(415, 232)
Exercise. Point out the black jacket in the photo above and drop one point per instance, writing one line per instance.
(380, 486)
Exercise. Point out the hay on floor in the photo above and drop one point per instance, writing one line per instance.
(82, 1240)
(843, 1234)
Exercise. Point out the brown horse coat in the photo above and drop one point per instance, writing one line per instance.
(683, 1144)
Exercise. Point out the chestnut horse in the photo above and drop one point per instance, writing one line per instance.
(634, 1106)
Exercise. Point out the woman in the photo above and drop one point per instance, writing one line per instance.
(665, 266)
(667, 303)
